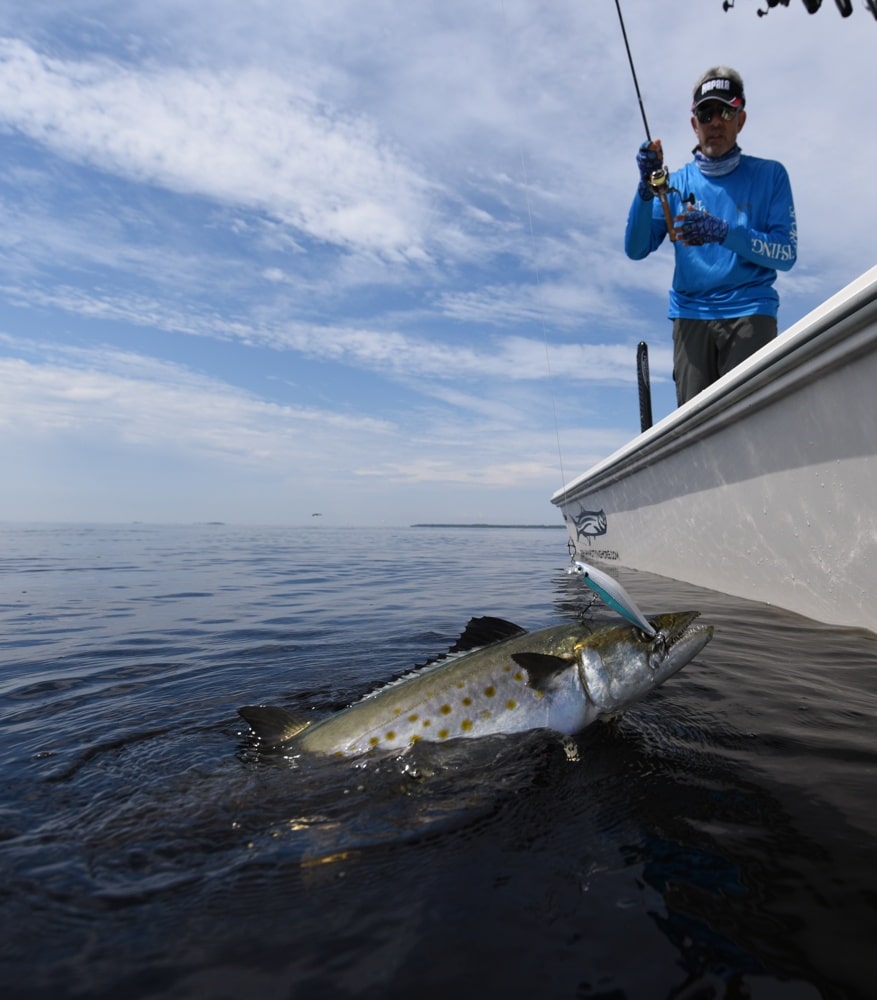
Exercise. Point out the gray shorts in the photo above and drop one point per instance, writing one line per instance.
(705, 349)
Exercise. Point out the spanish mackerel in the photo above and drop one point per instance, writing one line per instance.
(499, 678)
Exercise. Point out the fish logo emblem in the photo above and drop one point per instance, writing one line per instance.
(590, 524)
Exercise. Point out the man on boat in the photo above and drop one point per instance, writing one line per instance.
(733, 228)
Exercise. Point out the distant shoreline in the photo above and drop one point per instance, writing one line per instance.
(528, 526)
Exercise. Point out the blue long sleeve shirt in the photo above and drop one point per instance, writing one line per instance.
(734, 278)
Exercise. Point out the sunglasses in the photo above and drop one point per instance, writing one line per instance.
(706, 115)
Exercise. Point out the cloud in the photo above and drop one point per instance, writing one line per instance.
(246, 138)
(110, 434)
(391, 353)
(147, 404)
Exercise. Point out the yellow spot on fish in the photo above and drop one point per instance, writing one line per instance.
(467, 701)
(397, 712)
(413, 717)
(490, 691)
(373, 742)
(443, 734)
(445, 709)
(511, 703)
(460, 684)
(427, 722)
(485, 714)
(391, 735)
(414, 738)
(518, 676)
(466, 725)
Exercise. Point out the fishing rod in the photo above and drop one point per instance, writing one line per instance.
(659, 179)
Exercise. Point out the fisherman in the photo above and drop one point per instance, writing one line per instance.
(733, 228)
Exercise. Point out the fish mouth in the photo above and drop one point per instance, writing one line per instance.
(685, 639)
(679, 640)
(687, 626)
(694, 632)
(676, 626)
(625, 665)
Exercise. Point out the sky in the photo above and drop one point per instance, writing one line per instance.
(266, 260)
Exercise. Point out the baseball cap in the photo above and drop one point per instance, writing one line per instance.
(719, 88)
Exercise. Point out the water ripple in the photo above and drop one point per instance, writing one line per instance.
(721, 831)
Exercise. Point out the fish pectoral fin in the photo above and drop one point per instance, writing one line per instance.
(485, 631)
(274, 725)
(542, 668)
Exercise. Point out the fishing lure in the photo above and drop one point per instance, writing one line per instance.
(612, 593)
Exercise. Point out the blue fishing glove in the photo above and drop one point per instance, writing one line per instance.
(698, 227)
(648, 160)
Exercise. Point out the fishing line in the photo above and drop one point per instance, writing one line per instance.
(658, 181)
(609, 590)
(542, 323)
(642, 358)
(543, 327)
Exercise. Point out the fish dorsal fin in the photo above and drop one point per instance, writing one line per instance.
(274, 725)
(542, 668)
(484, 631)
(480, 632)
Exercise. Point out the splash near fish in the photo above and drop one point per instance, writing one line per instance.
(499, 678)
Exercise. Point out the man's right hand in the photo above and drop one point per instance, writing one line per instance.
(649, 159)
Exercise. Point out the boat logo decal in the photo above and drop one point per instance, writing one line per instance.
(589, 524)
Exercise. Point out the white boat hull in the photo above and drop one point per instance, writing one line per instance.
(765, 485)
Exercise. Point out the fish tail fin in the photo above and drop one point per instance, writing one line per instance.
(273, 725)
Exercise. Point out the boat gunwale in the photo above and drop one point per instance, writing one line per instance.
(834, 334)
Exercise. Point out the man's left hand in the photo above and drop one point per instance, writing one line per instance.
(696, 227)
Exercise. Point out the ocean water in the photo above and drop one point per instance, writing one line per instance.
(716, 841)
